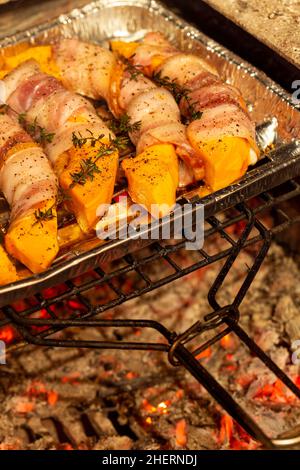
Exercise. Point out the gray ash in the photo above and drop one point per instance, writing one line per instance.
(91, 399)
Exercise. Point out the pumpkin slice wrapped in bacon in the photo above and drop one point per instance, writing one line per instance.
(221, 131)
(159, 137)
(29, 185)
(81, 147)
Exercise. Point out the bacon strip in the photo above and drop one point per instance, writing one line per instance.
(84, 67)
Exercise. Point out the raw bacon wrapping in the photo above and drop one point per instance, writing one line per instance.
(221, 131)
(95, 72)
(29, 185)
(153, 176)
(84, 67)
(81, 149)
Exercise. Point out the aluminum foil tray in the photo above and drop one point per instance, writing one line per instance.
(103, 20)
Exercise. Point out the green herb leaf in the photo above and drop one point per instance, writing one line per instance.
(62, 196)
(88, 166)
(123, 125)
(79, 141)
(43, 216)
(133, 70)
(196, 115)
(38, 133)
(119, 142)
(178, 92)
(3, 108)
(22, 118)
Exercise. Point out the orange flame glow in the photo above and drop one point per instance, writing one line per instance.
(276, 393)
(233, 436)
(226, 429)
(228, 342)
(160, 409)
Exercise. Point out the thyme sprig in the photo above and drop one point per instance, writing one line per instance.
(88, 166)
(194, 115)
(120, 142)
(3, 108)
(1, 235)
(133, 70)
(38, 133)
(62, 196)
(124, 126)
(43, 216)
(178, 92)
(79, 141)
(88, 169)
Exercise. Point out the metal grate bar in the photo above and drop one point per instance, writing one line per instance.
(250, 232)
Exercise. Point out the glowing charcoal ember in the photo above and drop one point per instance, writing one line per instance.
(24, 407)
(181, 433)
(275, 393)
(161, 409)
(148, 407)
(145, 394)
(52, 398)
(204, 354)
(65, 447)
(54, 291)
(38, 389)
(226, 429)
(231, 435)
(153, 179)
(72, 378)
(11, 446)
(7, 334)
(76, 305)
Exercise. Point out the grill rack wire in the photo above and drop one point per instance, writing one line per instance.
(39, 331)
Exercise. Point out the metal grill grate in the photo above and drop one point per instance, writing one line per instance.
(38, 318)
